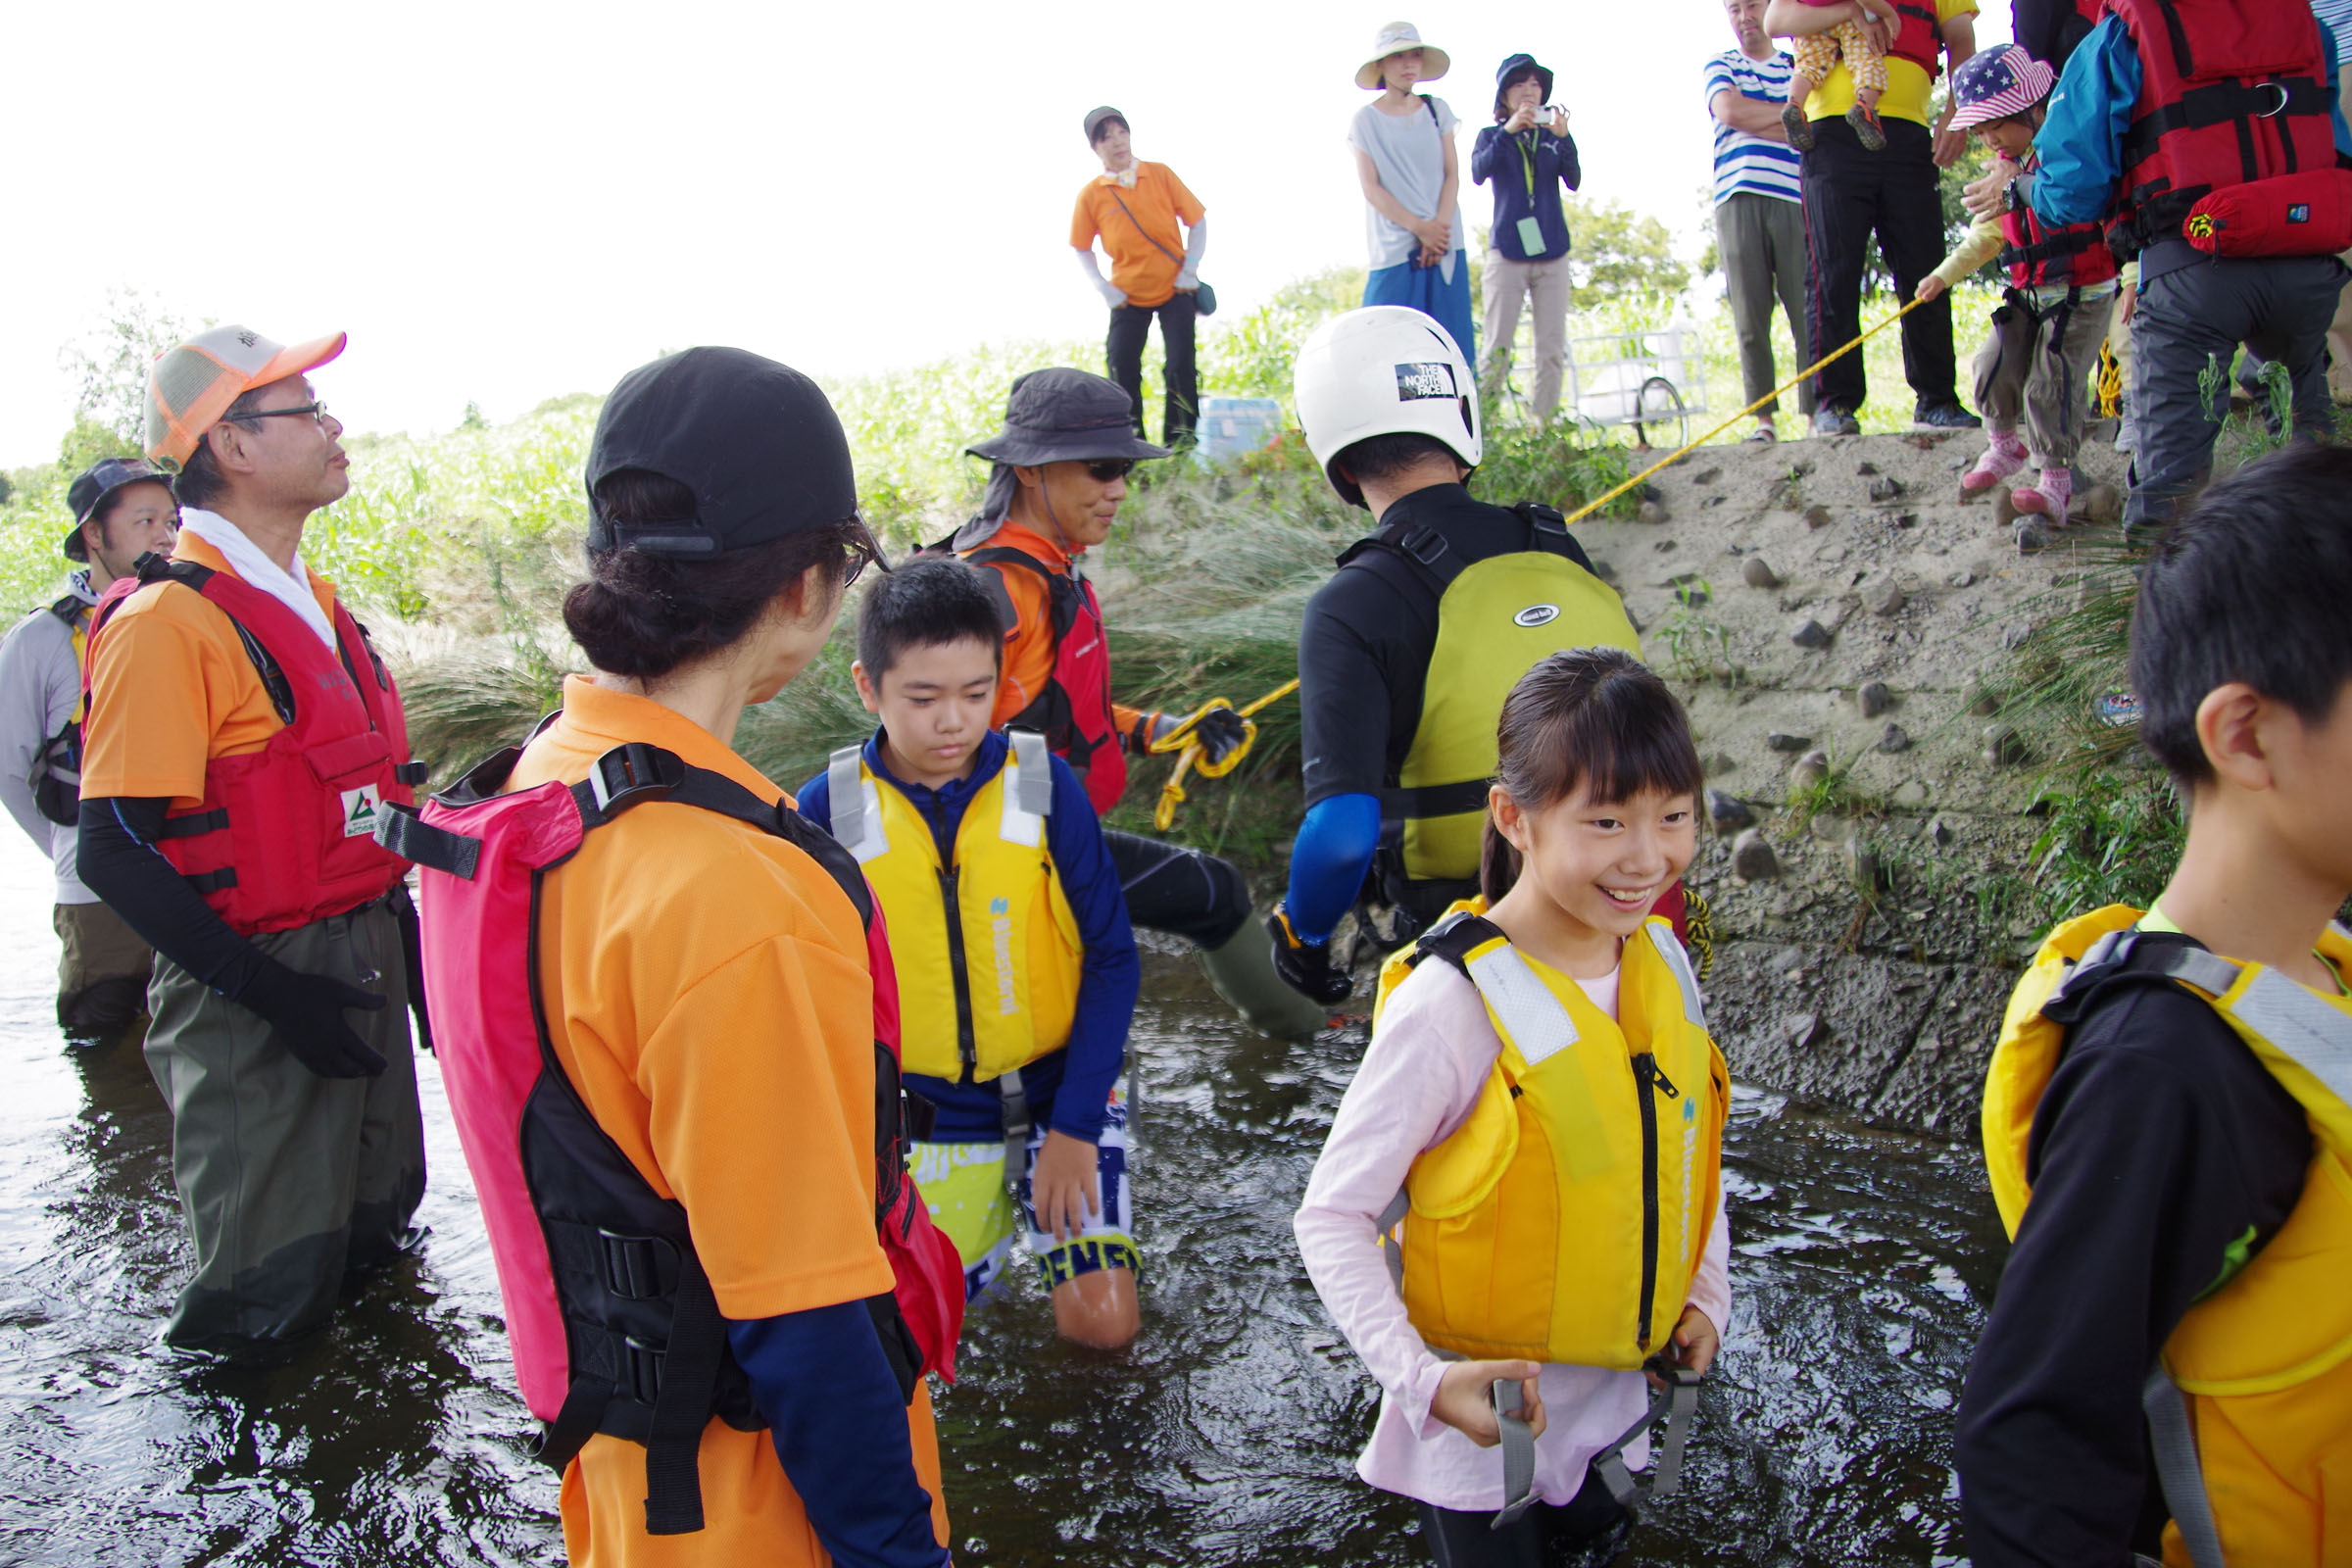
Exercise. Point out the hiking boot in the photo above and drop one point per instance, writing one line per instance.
(1799, 128)
(1865, 128)
(1832, 421)
(1943, 416)
(2049, 496)
(2003, 458)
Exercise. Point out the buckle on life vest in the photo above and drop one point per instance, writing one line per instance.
(643, 1377)
(632, 773)
(633, 1265)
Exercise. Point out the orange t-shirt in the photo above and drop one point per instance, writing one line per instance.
(1029, 651)
(171, 688)
(1139, 268)
(706, 990)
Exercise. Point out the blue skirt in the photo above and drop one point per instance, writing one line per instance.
(1426, 290)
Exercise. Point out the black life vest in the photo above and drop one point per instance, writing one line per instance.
(57, 770)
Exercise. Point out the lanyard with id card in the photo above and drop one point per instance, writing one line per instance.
(1531, 229)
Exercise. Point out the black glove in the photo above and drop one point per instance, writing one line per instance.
(1219, 730)
(1305, 967)
(307, 1011)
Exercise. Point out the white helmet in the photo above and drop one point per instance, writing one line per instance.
(1379, 370)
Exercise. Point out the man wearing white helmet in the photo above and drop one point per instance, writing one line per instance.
(1406, 654)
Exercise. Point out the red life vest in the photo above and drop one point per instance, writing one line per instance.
(609, 1314)
(2232, 92)
(1074, 712)
(1920, 39)
(285, 834)
(2037, 256)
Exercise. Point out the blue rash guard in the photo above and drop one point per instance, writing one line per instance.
(833, 1411)
(2080, 143)
(1328, 862)
(1070, 1089)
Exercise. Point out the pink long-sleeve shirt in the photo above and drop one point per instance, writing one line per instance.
(1420, 1077)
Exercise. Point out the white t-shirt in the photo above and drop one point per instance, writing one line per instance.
(1410, 152)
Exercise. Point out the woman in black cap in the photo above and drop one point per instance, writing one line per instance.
(1529, 158)
(1062, 465)
(705, 992)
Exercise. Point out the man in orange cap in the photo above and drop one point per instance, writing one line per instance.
(243, 740)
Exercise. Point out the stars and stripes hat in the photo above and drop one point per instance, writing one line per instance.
(191, 386)
(1998, 83)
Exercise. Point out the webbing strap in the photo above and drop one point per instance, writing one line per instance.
(857, 819)
(583, 1407)
(410, 837)
(1674, 1407)
(698, 1337)
(1014, 1095)
(1391, 1246)
(1033, 779)
(2176, 1467)
(1518, 1452)
(1436, 800)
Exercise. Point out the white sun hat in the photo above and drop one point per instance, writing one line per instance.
(1394, 39)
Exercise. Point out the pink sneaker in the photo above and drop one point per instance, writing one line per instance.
(2001, 459)
(2049, 496)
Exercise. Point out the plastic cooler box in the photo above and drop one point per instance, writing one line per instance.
(1230, 427)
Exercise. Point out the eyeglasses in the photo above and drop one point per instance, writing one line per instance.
(1105, 470)
(864, 551)
(316, 410)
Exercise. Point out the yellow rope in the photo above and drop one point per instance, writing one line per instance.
(1195, 759)
(1689, 447)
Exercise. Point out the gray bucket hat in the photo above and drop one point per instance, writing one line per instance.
(1060, 415)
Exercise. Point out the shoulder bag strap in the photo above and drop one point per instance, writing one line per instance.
(1147, 233)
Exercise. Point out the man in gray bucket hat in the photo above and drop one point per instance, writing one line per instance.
(1062, 465)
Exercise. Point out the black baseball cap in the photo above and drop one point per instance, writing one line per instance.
(756, 442)
(92, 487)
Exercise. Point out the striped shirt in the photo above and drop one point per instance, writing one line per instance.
(1745, 162)
(2337, 15)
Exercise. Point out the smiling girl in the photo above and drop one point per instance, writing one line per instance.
(1543, 1110)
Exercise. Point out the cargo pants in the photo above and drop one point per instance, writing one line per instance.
(2192, 316)
(288, 1180)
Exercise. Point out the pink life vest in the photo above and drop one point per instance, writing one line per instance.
(285, 834)
(610, 1315)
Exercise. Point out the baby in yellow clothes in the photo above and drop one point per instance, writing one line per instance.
(1817, 54)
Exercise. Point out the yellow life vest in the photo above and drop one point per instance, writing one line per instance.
(2266, 1360)
(985, 948)
(1564, 1219)
(1496, 620)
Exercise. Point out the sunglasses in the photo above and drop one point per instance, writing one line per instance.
(1104, 469)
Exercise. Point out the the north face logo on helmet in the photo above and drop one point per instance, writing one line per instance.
(249, 339)
(1424, 378)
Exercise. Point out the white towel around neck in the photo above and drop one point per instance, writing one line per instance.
(247, 561)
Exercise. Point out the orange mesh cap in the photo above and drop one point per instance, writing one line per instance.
(191, 386)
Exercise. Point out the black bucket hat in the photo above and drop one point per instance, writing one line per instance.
(1060, 414)
(756, 442)
(95, 485)
(1513, 66)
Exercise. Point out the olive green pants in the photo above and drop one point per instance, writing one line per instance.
(103, 968)
(288, 1180)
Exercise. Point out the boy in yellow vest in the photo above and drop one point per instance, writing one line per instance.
(2166, 1121)
(1018, 973)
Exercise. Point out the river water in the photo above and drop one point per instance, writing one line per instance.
(1226, 1435)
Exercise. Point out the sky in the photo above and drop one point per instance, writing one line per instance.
(504, 202)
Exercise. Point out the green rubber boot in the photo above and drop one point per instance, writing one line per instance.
(1242, 971)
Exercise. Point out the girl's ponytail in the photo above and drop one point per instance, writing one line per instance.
(1594, 714)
